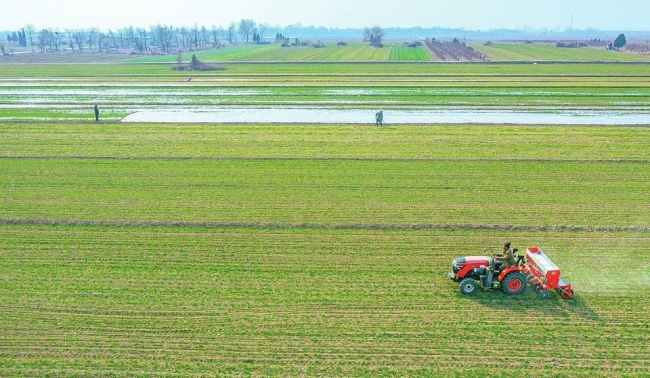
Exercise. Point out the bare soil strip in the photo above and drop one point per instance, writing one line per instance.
(326, 226)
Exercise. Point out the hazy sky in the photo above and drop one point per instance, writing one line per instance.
(470, 14)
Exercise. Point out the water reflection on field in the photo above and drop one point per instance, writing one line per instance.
(364, 116)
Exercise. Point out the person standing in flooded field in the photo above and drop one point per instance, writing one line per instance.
(96, 113)
(379, 118)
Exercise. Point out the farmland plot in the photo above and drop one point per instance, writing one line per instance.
(523, 52)
(327, 142)
(134, 300)
(417, 54)
(331, 192)
(238, 52)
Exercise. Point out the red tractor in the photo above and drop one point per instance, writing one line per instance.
(476, 272)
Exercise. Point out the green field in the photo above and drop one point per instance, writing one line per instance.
(524, 52)
(418, 53)
(289, 250)
(317, 250)
(124, 301)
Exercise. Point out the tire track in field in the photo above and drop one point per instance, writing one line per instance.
(307, 158)
(324, 226)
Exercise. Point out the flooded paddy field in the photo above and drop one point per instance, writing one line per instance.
(392, 117)
(118, 98)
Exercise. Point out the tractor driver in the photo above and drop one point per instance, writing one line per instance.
(508, 257)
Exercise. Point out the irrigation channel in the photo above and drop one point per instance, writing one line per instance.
(391, 117)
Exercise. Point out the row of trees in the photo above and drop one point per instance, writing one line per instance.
(165, 37)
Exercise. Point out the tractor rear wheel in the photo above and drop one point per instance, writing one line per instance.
(514, 284)
(468, 286)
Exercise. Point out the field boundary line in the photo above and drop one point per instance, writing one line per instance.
(323, 226)
(389, 51)
(288, 158)
(438, 62)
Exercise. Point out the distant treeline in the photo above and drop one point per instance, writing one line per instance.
(244, 29)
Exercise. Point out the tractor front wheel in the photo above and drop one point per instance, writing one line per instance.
(468, 286)
(514, 284)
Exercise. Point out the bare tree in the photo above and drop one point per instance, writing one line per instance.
(215, 36)
(261, 30)
(177, 38)
(165, 37)
(246, 28)
(79, 36)
(205, 36)
(101, 37)
(71, 41)
(143, 39)
(231, 32)
(137, 41)
(93, 33)
(30, 29)
(153, 35)
(195, 36)
(378, 33)
(184, 35)
(43, 39)
(130, 35)
(113, 38)
(366, 34)
(55, 37)
(179, 60)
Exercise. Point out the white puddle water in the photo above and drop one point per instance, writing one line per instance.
(364, 116)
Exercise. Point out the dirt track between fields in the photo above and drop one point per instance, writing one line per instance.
(325, 226)
(283, 158)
